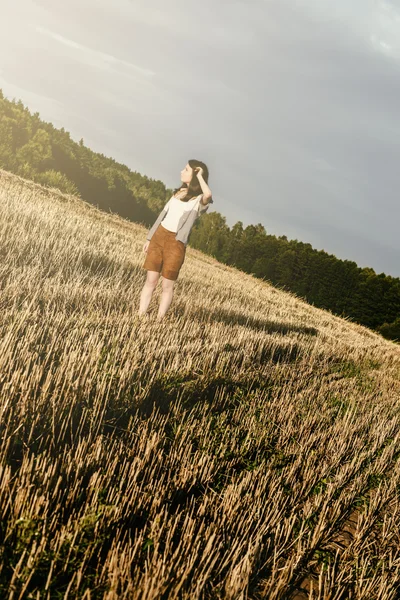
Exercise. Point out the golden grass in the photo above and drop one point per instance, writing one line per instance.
(246, 447)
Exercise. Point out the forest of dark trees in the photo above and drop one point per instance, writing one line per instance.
(36, 150)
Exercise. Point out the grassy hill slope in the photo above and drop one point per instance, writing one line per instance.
(246, 447)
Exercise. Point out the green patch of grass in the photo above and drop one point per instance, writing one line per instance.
(360, 371)
(319, 487)
(63, 563)
(324, 557)
(338, 404)
(346, 368)
(372, 364)
(26, 530)
(374, 479)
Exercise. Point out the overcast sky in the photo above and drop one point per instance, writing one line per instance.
(293, 104)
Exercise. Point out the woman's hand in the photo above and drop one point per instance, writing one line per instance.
(204, 187)
(146, 245)
(198, 171)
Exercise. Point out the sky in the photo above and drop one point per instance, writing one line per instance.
(294, 105)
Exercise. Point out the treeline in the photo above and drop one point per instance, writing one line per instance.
(322, 279)
(37, 150)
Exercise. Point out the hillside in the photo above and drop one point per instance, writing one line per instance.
(246, 447)
(36, 150)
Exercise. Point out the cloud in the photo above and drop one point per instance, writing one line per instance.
(94, 57)
(293, 105)
(372, 23)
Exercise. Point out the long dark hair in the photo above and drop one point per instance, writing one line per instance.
(193, 189)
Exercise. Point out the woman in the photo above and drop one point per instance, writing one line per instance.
(165, 246)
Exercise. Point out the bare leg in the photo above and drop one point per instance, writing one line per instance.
(166, 297)
(147, 291)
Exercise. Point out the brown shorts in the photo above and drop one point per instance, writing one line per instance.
(165, 253)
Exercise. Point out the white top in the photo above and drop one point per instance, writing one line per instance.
(176, 208)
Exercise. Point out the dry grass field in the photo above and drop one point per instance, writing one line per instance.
(247, 447)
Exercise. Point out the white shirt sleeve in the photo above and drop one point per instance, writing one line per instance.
(200, 207)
